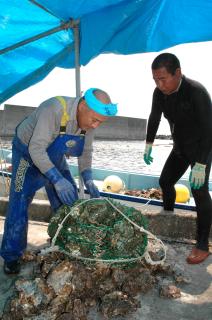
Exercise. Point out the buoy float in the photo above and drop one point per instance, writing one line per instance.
(113, 184)
(182, 193)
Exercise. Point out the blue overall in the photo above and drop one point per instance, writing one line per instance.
(26, 180)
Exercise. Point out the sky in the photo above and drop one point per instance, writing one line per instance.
(127, 79)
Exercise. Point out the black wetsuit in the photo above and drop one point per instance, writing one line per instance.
(189, 113)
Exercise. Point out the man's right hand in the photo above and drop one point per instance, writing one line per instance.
(147, 153)
(65, 190)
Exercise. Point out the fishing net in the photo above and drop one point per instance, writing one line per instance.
(99, 230)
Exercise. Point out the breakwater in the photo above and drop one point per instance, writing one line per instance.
(115, 128)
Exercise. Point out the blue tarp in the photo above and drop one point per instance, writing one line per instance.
(106, 26)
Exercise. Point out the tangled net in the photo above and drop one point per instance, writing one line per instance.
(95, 230)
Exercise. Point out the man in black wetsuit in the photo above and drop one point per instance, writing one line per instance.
(186, 105)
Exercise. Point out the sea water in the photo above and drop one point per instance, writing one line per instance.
(123, 155)
(128, 156)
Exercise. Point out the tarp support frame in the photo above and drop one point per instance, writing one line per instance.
(63, 25)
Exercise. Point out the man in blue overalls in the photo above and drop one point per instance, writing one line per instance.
(59, 126)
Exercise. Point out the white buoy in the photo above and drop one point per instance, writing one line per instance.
(113, 184)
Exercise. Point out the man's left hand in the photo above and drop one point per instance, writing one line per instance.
(197, 176)
(89, 184)
(92, 189)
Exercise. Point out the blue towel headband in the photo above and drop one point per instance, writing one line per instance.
(96, 105)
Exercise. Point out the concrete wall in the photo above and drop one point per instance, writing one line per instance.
(123, 128)
(119, 128)
(11, 116)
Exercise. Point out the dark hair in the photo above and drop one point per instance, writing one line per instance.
(166, 60)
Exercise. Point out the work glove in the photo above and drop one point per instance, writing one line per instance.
(65, 190)
(89, 184)
(147, 153)
(197, 175)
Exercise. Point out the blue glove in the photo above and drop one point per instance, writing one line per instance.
(197, 175)
(90, 186)
(65, 190)
(147, 153)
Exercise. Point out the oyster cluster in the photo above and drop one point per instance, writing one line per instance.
(52, 287)
(97, 230)
(152, 193)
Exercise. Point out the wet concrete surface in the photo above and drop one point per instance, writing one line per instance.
(195, 302)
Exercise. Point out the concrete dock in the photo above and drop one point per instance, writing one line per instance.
(178, 231)
(195, 302)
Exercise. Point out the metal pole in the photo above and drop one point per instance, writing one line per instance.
(77, 57)
(62, 26)
(78, 86)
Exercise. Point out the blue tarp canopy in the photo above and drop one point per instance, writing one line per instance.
(37, 35)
